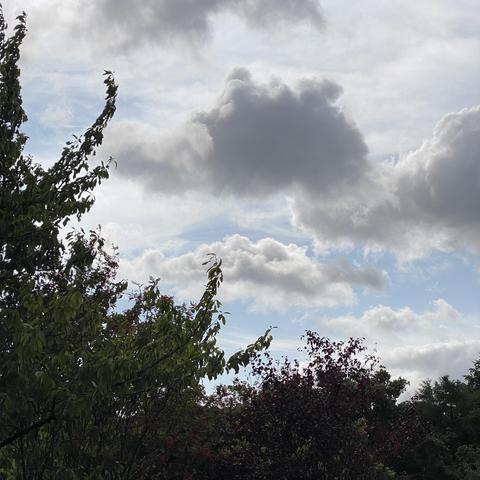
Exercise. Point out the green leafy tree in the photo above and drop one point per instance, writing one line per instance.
(468, 462)
(84, 387)
(450, 412)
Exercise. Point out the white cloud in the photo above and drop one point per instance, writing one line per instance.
(432, 360)
(267, 273)
(381, 320)
(416, 345)
(135, 220)
(435, 359)
(57, 115)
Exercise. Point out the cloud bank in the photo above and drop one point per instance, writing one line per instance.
(433, 360)
(382, 320)
(270, 274)
(260, 140)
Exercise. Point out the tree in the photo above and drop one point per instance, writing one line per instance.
(450, 411)
(335, 416)
(83, 386)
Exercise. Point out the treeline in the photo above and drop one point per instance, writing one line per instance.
(91, 392)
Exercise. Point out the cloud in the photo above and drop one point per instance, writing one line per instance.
(415, 345)
(382, 320)
(266, 138)
(267, 273)
(432, 360)
(426, 201)
(57, 115)
(164, 162)
(134, 220)
(132, 22)
(258, 140)
(435, 359)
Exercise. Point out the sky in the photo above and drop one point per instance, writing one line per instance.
(327, 151)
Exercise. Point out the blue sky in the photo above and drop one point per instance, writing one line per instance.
(328, 151)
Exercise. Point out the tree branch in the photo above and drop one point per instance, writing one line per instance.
(25, 431)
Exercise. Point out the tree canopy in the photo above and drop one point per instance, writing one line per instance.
(83, 385)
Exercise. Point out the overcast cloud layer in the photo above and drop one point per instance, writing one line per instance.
(268, 273)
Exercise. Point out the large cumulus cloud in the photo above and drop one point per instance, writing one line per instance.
(426, 201)
(258, 139)
(264, 139)
(267, 273)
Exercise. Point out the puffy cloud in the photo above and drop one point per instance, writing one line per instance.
(435, 359)
(257, 140)
(268, 273)
(416, 345)
(130, 22)
(432, 360)
(264, 139)
(426, 201)
(381, 320)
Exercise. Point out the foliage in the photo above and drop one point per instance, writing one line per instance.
(335, 416)
(450, 411)
(83, 386)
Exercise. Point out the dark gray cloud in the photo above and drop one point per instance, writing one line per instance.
(370, 277)
(444, 180)
(137, 21)
(429, 200)
(258, 139)
(266, 138)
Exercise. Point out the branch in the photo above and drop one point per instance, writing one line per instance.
(25, 431)
(147, 368)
